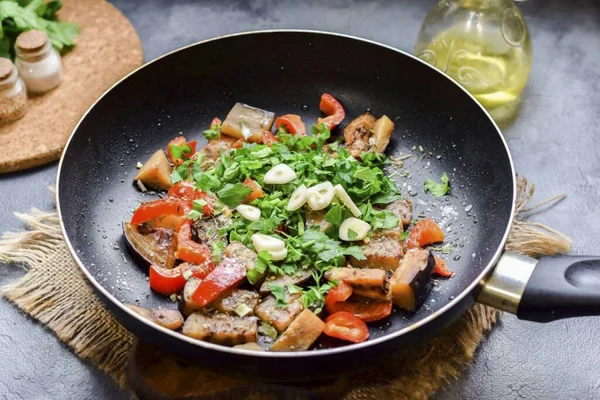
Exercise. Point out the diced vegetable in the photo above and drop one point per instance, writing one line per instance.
(170, 281)
(441, 269)
(381, 252)
(220, 328)
(312, 217)
(165, 317)
(257, 192)
(368, 312)
(280, 175)
(297, 199)
(333, 109)
(278, 255)
(353, 229)
(279, 317)
(268, 138)
(227, 275)
(248, 123)
(358, 132)
(180, 150)
(267, 243)
(410, 283)
(341, 292)
(240, 302)
(370, 283)
(211, 153)
(425, 232)
(382, 131)
(301, 333)
(156, 172)
(319, 196)
(154, 245)
(241, 254)
(191, 251)
(186, 303)
(283, 280)
(168, 213)
(344, 325)
(340, 192)
(251, 213)
(292, 123)
(186, 190)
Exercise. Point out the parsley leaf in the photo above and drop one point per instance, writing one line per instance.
(213, 133)
(352, 234)
(438, 189)
(232, 195)
(180, 151)
(260, 267)
(314, 296)
(404, 235)
(280, 296)
(384, 219)
(334, 215)
(194, 215)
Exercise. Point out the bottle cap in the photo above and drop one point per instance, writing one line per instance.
(6, 68)
(31, 41)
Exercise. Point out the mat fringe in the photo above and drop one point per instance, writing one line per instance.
(96, 336)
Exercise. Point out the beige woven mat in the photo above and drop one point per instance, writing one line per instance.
(55, 292)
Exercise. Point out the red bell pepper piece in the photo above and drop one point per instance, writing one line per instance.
(292, 123)
(425, 232)
(187, 191)
(441, 269)
(180, 141)
(162, 209)
(190, 251)
(344, 325)
(168, 281)
(227, 275)
(333, 109)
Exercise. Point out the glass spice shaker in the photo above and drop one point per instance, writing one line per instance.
(38, 62)
(13, 94)
(484, 45)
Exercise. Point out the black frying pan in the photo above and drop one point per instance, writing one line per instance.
(284, 71)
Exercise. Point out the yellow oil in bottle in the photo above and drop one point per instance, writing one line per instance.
(487, 53)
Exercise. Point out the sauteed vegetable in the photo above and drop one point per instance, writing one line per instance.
(270, 240)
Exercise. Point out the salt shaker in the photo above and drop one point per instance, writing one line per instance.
(13, 94)
(38, 62)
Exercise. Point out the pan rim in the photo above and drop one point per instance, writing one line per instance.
(314, 353)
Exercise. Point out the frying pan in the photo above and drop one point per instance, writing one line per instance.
(286, 72)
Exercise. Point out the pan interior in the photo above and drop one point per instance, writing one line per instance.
(286, 72)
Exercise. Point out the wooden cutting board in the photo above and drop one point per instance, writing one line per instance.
(107, 49)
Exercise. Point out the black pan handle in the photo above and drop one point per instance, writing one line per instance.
(545, 290)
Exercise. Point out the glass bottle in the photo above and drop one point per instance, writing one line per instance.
(483, 44)
(13, 95)
(38, 62)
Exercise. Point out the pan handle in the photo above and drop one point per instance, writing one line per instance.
(545, 290)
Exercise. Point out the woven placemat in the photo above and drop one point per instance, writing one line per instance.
(55, 292)
(107, 49)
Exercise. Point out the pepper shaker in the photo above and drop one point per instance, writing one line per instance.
(38, 62)
(13, 95)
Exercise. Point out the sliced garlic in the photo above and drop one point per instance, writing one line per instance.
(269, 243)
(319, 196)
(280, 174)
(251, 213)
(297, 199)
(341, 193)
(279, 254)
(360, 228)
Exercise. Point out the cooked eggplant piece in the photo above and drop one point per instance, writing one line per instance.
(250, 346)
(403, 210)
(283, 280)
(370, 283)
(312, 217)
(186, 304)
(358, 132)
(156, 173)
(221, 329)
(206, 231)
(411, 282)
(165, 317)
(382, 131)
(243, 255)
(301, 333)
(154, 245)
(279, 317)
(211, 153)
(248, 123)
(240, 302)
(381, 252)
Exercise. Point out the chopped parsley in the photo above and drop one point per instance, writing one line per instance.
(213, 133)
(438, 189)
(180, 151)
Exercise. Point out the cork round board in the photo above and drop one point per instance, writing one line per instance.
(107, 49)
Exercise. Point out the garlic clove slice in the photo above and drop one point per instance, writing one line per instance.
(341, 193)
(319, 196)
(280, 174)
(353, 227)
(264, 242)
(297, 199)
(251, 213)
(279, 254)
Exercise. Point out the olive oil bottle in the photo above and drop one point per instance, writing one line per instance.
(483, 44)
